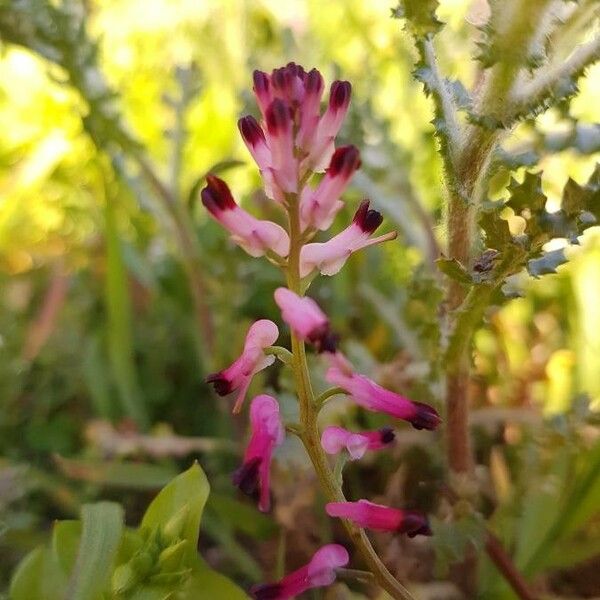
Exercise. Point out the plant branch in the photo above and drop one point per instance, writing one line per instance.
(505, 565)
(555, 79)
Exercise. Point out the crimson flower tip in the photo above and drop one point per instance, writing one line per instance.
(415, 523)
(251, 131)
(314, 82)
(345, 160)
(277, 116)
(216, 195)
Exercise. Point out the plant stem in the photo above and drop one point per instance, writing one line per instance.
(308, 419)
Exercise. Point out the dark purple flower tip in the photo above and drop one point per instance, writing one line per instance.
(367, 220)
(251, 131)
(266, 591)
(246, 478)
(314, 82)
(297, 70)
(426, 417)
(414, 523)
(387, 435)
(216, 196)
(278, 117)
(221, 384)
(324, 339)
(282, 78)
(345, 160)
(339, 96)
(261, 82)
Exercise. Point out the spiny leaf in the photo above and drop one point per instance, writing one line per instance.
(453, 269)
(527, 194)
(497, 232)
(547, 263)
(421, 16)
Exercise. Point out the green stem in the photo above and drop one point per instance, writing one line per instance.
(308, 418)
(326, 395)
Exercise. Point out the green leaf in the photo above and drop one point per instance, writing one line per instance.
(206, 583)
(100, 537)
(65, 543)
(243, 517)
(120, 323)
(181, 501)
(38, 576)
(453, 269)
(121, 474)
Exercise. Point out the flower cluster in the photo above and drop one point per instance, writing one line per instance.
(293, 142)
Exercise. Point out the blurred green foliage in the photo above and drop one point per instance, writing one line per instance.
(118, 295)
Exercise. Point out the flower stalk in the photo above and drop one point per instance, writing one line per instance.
(309, 434)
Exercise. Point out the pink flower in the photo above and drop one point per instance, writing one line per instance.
(334, 439)
(253, 477)
(262, 90)
(261, 335)
(380, 518)
(319, 572)
(322, 144)
(284, 164)
(329, 257)
(318, 207)
(372, 396)
(311, 109)
(255, 236)
(306, 319)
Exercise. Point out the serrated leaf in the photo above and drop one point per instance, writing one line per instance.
(497, 232)
(573, 198)
(547, 263)
(527, 194)
(102, 526)
(453, 269)
(187, 491)
(421, 15)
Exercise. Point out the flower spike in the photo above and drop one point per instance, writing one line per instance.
(334, 439)
(237, 377)
(373, 397)
(381, 518)
(306, 319)
(255, 236)
(319, 572)
(329, 257)
(253, 477)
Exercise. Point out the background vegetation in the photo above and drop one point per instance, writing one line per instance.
(118, 295)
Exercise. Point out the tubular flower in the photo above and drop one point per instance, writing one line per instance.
(322, 146)
(380, 518)
(334, 439)
(255, 236)
(319, 572)
(318, 207)
(329, 257)
(237, 376)
(372, 396)
(306, 319)
(253, 477)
